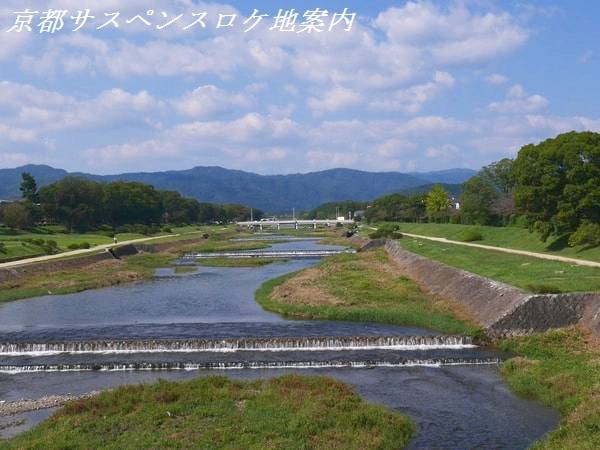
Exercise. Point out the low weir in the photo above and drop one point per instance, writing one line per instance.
(272, 344)
(284, 254)
(150, 366)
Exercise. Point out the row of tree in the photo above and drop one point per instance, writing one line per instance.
(81, 204)
(552, 187)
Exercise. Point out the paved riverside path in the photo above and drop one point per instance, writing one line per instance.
(579, 262)
(22, 262)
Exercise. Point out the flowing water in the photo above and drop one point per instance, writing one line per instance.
(180, 326)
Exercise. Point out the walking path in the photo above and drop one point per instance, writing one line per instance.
(97, 248)
(579, 262)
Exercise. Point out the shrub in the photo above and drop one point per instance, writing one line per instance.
(543, 289)
(2, 247)
(386, 230)
(84, 245)
(471, 236)
(587, 234)
(73, 246)
(50, 247)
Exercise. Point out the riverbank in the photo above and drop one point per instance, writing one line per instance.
(362, 287)
(55, 280)
(560, 369)
(292, 412)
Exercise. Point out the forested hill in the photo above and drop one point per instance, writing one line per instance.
(271, 193)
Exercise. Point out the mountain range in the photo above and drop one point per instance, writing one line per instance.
(271, 193)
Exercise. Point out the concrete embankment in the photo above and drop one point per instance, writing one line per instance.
(501, 309)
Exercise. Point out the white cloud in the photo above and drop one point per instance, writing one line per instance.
(455, 35)
(334, 100)
(518, 102)
(412, 99)
(209, 99)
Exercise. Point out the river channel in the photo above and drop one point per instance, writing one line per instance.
(180, 326)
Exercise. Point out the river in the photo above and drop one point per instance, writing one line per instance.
(196, 324)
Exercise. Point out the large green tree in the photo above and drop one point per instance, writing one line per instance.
(75, 202)
(477, 201)
(557, 183)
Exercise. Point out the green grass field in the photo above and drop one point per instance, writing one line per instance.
(290, 412)
(531, 274)
(561, 369)
(509, 237)
(357, 287)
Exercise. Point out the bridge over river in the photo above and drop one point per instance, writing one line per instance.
(294, 223)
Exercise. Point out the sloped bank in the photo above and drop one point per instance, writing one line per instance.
(501, 309)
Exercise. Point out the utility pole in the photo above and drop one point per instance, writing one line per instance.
(251, 215)
(293, 213)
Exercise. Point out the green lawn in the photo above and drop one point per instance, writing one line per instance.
(359, 287)
(532, 274)
(509, 237)
(562, 370)
(290, 412)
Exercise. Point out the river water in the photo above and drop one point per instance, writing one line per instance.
(207, 322)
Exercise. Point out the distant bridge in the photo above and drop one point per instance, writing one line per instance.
(269, 254)
(293, 223)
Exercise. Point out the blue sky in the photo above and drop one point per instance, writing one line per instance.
(413, 86)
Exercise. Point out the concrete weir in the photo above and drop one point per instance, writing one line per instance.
(501, 309)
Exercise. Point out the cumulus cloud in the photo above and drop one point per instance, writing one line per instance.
(209, 99)
(334, 100)
(518, 101)
(412, 99)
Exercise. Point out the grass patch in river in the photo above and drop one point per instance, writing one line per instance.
(291, 412)
(361, 287)
(561, 369)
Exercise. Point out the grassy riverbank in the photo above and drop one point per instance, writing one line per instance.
(291, 412)
(528, 273)
(363, 287)
(561, 369)
(509, 237)
(112, 272)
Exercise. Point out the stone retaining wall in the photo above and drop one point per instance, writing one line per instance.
(501, 309)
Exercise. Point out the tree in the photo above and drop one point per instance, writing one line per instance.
(74, 202)
(557, 183)
(16, 216)
(437, 202)
(131, 203)
(28, 187)
(499, 175)
(477, 201)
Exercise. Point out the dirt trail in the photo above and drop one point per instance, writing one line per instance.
(579, 262)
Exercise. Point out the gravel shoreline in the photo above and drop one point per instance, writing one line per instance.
(50, 401)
